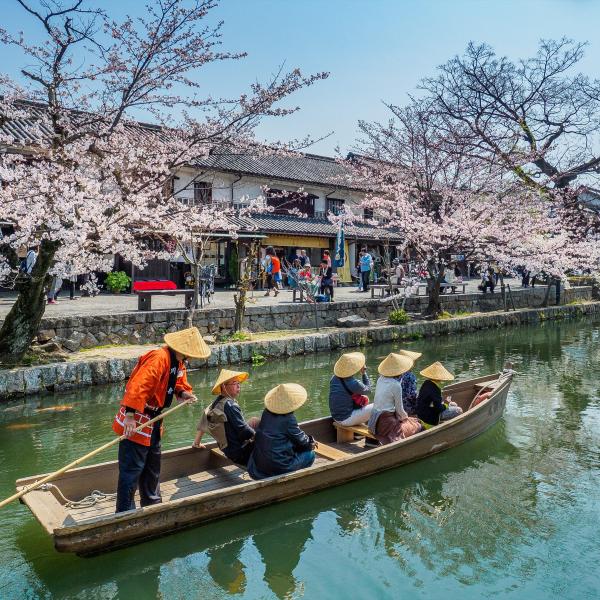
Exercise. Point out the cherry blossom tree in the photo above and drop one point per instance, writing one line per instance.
(445, 203)
(82, 178)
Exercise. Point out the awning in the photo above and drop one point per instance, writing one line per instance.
(296, 241)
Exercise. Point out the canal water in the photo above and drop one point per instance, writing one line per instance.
(511, 514)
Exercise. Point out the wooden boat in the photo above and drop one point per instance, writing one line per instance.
(199, 486)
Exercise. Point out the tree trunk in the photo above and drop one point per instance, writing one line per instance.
(547, 295)
(22, 323)
(189, 317)
(240, 309)
(434, 306)
(503, 292)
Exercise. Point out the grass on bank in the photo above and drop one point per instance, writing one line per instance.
(452, 315)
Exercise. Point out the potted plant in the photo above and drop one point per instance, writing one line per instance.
(117, 281)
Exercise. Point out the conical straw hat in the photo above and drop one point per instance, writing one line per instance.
(410, 354)
(285, 398)
(188, 342)
(394, 365)
(348, 364)
(438, 372)
(226, 375)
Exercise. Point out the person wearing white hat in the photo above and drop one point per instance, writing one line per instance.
(348, 403)
(280, 446)
(224, 420)
(431, 408)
(389, 421)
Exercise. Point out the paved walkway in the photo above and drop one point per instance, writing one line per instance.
(106, 304)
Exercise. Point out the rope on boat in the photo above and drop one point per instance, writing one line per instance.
(93, 498)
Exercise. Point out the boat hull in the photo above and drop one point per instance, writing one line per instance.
(110, 532)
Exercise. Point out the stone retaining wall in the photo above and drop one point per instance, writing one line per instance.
(64, 376)
(75, 333)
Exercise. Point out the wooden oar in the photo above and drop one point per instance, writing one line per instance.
(54, 475)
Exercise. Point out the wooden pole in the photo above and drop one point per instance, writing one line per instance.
(66, 468)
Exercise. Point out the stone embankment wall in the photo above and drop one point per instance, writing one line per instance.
(75, 333)
(65, 376)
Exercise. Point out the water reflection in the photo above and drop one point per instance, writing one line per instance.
(226, 568)
(280, 549)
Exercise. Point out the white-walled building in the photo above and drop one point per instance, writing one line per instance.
(315, 185)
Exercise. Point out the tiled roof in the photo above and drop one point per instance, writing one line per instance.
(26, 131)
(300, 168)
(293, 225)
(294, 167)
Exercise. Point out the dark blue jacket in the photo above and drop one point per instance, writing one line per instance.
(278, 439)
(340, 401)
(429, 403)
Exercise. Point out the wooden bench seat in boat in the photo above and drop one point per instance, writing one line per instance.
(345, 433)
(330, 452)
(322, 449)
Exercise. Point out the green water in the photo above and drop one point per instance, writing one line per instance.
(511, 514)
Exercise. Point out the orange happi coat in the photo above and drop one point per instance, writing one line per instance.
(147, 387)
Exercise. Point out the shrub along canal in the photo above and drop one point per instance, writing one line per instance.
(513, 513)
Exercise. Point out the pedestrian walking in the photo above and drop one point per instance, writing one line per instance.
(366, 265)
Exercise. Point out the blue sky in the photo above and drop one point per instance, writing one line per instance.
(375, 50)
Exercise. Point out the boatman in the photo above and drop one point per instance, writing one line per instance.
(158, 377)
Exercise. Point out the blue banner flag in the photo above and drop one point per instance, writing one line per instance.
(339, 257)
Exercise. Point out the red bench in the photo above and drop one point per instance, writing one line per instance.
(146, 289)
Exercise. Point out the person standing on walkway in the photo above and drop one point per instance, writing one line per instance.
(366, 265)
(326, 275)
(54, 289)
(359, 280)
(158, 377)
(273, 269)
(304, 259)
(72, 284)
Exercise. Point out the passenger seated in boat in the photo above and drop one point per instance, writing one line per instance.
(431, 409)
(224, 420)
(347, 401)
(280, 446)
(389, 421)
(409, 385)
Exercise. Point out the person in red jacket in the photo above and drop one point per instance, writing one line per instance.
(158, 377)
